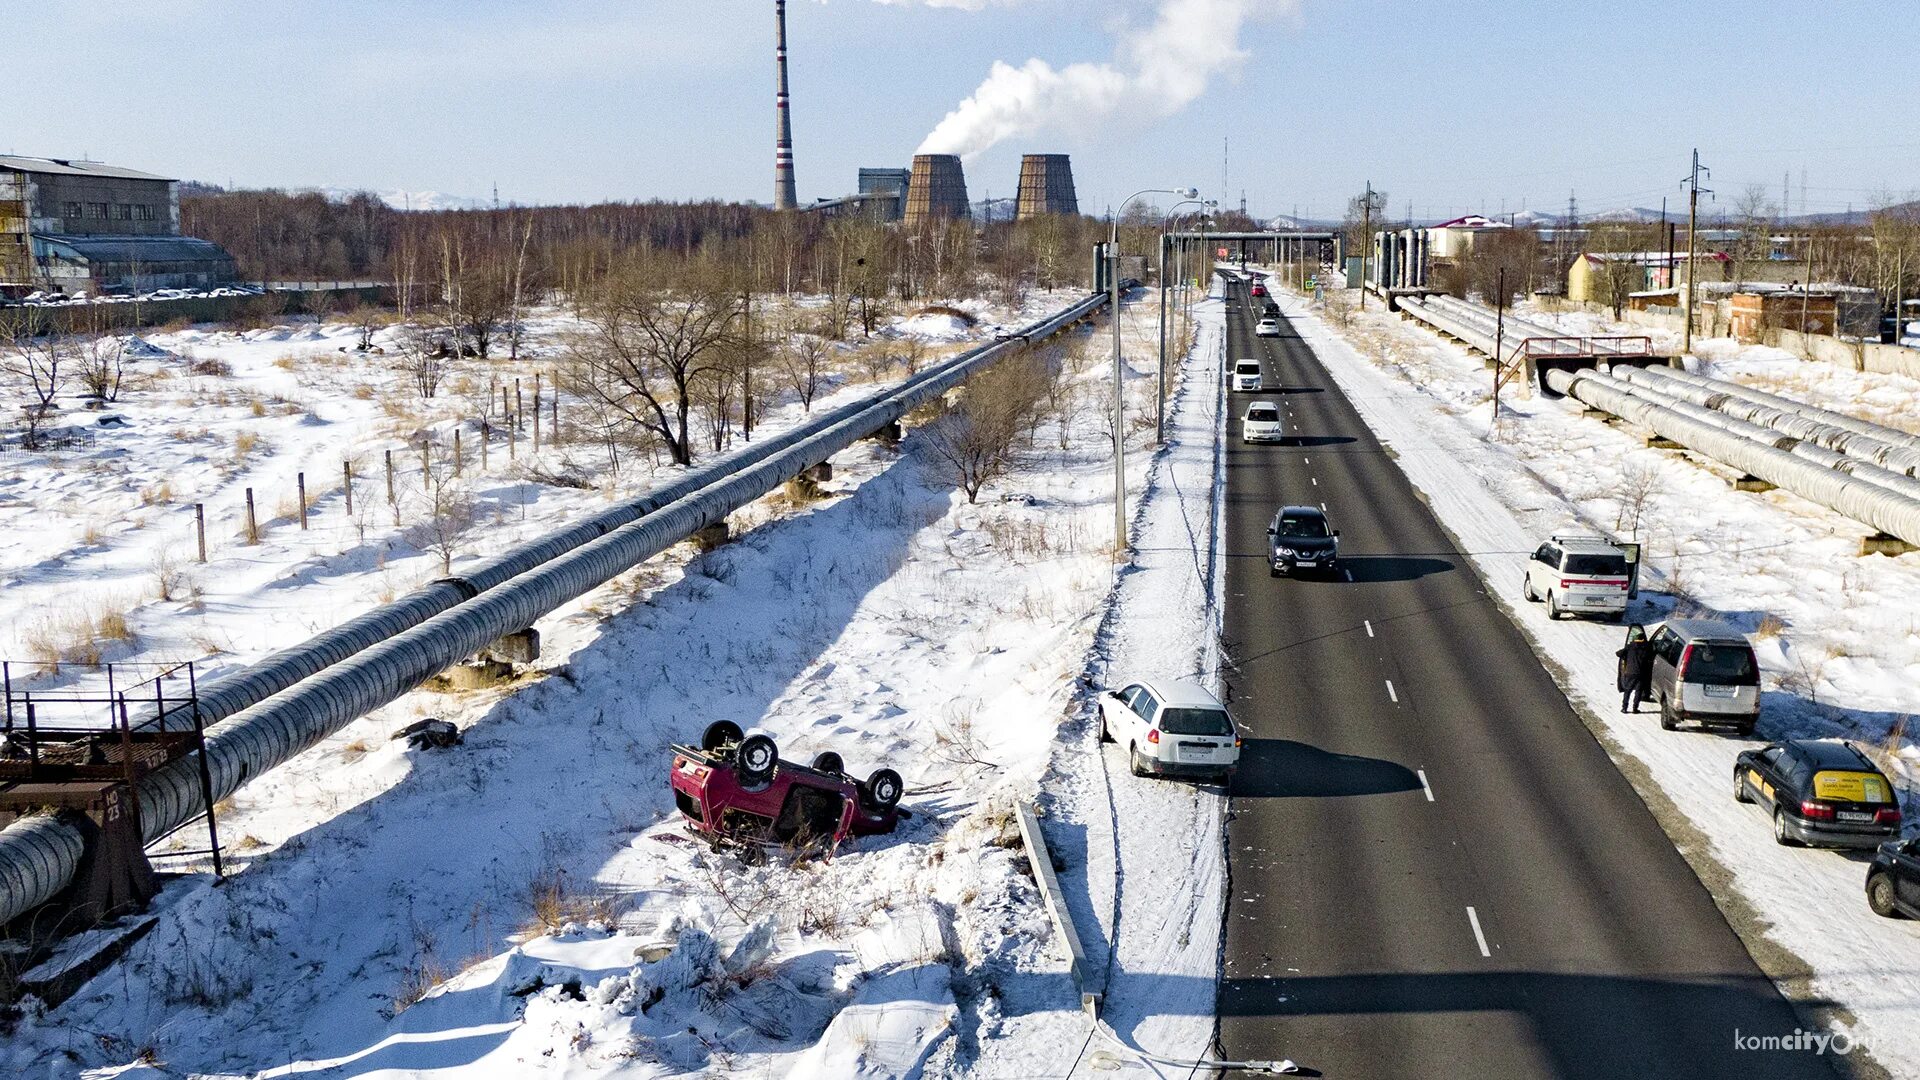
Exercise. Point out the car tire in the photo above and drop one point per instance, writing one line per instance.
(1880, 896)
(827, 761)
(1669, 720)
(884, 789)
(721, 733)
(1105, 735)
(1780, 834)
(1740, 787)
(1553, 606)
(1526, 589)
(1745, 730)
(756, 760)
(1273, 571)
(1134, 760)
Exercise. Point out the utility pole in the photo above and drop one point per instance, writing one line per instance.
(1160, 393)
(1499, 343)
(1692, 183)
(1366, 240)
(1119, 393)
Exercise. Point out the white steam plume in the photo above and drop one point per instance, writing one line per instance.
(1156, 71)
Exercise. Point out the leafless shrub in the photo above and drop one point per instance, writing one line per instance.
(1638, 484)
(976, 441)
(804, 363)
(169, 577)
(447, 511)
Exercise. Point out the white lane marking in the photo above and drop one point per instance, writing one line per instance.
(1424, 786)
(1323, 508)
(1369, 623)
(1391, 694)
(1306, 461)
(1315, 479)
(1349, 574)
(1479, 936)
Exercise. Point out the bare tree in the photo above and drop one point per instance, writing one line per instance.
(424, 358)
(446, 513)
(654, 332)
(103, 367)
(804, 363)
(978, 440)
(41, 364)
(1753, 215)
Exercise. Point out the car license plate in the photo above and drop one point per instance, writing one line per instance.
(1306, 564)
(1593, 601)
(1718, 691)
(1854, 815)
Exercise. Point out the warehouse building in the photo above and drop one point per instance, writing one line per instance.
(76, 226)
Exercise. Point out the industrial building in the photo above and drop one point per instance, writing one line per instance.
(84, 226)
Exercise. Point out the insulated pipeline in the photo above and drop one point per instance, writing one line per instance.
(40, 854)
(1853, 494)
(227, 695)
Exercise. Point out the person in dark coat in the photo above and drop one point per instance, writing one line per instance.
(1636, 669)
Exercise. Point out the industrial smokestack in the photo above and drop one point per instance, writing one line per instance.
(783, 196)
(936, 188)
(1046, 186)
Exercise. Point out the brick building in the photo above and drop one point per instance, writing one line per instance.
(84, 226)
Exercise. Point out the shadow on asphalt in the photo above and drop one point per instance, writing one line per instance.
(1284, 769)
(1319, 440)
(1377, 568)
(1584, 1025)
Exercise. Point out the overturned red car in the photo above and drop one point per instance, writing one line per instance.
(735, 786)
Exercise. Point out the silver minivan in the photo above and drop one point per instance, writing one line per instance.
(1705, 671)
(1246, 376)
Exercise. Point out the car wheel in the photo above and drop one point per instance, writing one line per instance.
(1669, 720)
(1880, 896)
(1740, 787)
(1135, 761)
(1105, 735)
(1273, 571)
(827, 761)
(1553, 606)
(1744, 730)
(720, 733)
(1780, 834)
(756, 759)
(884, 788)
(1526, 589)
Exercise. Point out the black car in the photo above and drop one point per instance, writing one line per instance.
(1893, 881)
(1821, 792)
(1298, 539)
(1271, 311)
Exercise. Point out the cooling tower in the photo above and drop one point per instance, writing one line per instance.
(936, 188)
(1046, 186)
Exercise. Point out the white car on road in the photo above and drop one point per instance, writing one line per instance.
(1267, 328)
(1246, 376)
(1262, 424)
(1170, 728)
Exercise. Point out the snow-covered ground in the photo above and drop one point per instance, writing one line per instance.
(528, 903)
(1836, 631)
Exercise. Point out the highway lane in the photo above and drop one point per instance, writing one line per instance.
(1435, 867)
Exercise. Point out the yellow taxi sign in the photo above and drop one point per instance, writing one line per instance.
(1850, 787)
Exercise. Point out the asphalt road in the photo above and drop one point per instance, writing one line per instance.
(1436, 869)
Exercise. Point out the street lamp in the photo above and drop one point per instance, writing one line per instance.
(1119, 396)
(1160, 399)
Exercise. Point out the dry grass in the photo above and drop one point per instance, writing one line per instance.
(1770, 627)
(76, 635)
(257, 407)
(363, 392)
(244, 444)
(159, 494)
(554, 902)
(286, 363)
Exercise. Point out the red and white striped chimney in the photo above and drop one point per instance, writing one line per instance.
(783, 196)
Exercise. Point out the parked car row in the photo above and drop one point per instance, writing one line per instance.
(1816, 792)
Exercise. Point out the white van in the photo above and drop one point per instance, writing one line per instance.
(1579, 575)
(1246, 376)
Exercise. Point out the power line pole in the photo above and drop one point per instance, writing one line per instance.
(1692, 183)
(1366, 240)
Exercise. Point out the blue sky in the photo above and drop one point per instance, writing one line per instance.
(1450, 106)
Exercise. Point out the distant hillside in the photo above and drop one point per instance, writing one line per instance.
(397, 199)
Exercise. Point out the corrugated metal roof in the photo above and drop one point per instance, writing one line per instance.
(75, 168)
(148, 249)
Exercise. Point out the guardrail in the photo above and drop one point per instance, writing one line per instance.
(387, 655)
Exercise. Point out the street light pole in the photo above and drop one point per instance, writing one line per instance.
(1160, 399)
(1119, 394)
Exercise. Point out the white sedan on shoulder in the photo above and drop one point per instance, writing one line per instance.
(1171, 728)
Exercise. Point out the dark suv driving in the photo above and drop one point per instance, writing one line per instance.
(1298, 539)
(1820, 792)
